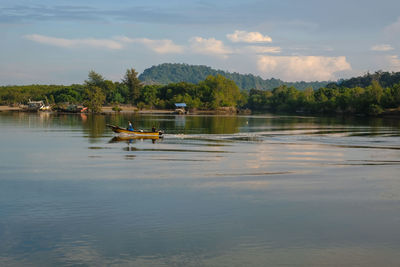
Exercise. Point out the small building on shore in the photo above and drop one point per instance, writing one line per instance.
(180, 108)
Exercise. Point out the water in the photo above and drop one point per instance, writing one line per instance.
(216, 191)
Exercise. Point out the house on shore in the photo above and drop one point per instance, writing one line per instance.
(180, 108)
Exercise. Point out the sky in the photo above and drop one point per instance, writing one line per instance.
(60, 41)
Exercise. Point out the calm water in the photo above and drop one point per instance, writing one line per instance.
(216, 191)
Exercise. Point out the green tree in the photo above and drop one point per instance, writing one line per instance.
(396, 94)
(284, 98)
(95, 99)
(259, 99)
(224, 92)
(123, 90)
(95, 79)
(109, 90)
(117, 98)
(148, 95)
(134, 84)
(375, 92)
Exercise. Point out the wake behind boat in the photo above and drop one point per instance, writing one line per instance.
(138, 133)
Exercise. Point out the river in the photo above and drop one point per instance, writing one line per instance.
(251, 190)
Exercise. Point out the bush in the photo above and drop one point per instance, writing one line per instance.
(116, 108)
(374, 110)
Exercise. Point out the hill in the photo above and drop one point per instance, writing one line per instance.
(172, 73)
(385, 79)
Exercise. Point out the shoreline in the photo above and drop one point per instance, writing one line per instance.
(105, 109)
(8, 108)
(132, 109)
(390, 113)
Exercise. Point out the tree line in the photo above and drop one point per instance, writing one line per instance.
(211, 93)
(385, 79)
(370, 100)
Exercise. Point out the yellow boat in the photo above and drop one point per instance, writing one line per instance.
(138, 133)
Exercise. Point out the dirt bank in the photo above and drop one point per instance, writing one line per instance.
(8, 108)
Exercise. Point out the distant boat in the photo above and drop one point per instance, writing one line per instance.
(37, 105)
(138, 133)
(45, 108)
(72, 108)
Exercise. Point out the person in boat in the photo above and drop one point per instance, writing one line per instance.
(153, 129)
(130, 127)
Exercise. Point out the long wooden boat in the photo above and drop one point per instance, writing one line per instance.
(138, 133)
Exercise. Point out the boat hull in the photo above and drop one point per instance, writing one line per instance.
(119, 130)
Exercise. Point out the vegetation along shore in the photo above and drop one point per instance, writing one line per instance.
(371, 94)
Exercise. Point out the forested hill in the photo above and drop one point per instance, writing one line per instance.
(172, 73)
(385, 79)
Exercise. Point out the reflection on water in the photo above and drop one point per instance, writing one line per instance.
(216, 191)
(95, 126)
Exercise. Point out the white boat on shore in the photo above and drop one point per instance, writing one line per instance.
(37, 106)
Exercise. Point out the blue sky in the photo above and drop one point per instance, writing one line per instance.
(59, 42)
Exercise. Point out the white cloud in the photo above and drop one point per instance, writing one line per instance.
(159, 46)
(394, 62)
(394, 27)
(387, 62)
(248, 37)
(209, 46)
(382, 47)
(164, 46)
(302, 68)
(62, 42)
(264, 49)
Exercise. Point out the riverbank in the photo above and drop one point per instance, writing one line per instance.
(105, 109)
(133, 109)
(8, 108)
(394, 112)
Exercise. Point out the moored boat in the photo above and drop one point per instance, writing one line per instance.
(37, 106)
(139, 133)
(72, 108)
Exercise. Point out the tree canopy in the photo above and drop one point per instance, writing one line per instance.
(134, 85)
(385, 79)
